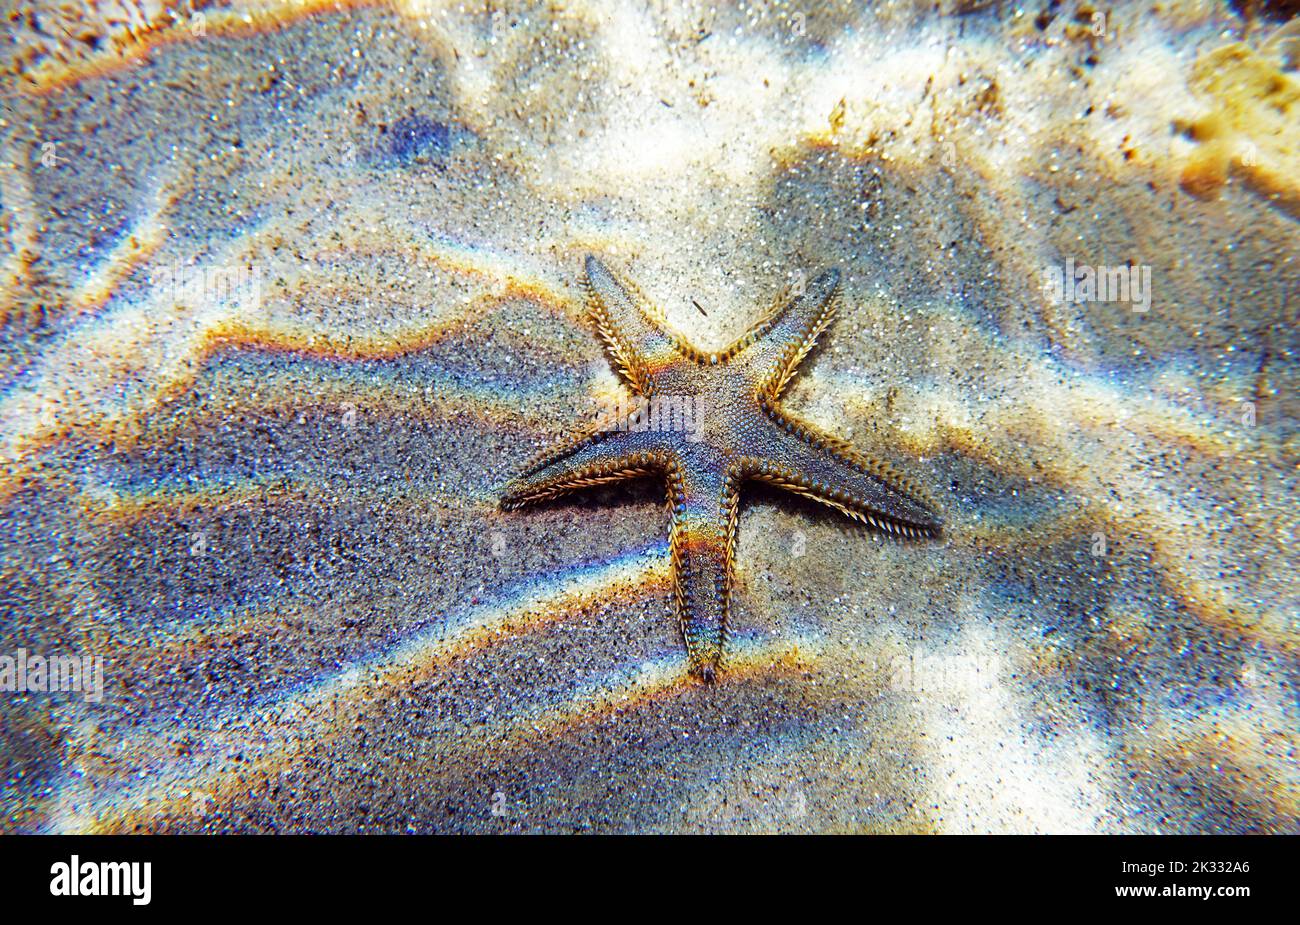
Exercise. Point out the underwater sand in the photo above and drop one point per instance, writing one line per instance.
(267, 499)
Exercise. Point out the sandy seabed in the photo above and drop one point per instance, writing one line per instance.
(291, 288)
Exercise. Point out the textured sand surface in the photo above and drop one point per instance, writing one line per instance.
(289, 289)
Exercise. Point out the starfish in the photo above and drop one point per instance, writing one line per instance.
(708, 422)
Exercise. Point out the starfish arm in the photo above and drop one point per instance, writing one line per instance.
(800, 458)
(704, 509)
(777, 344)
(605, 453)
(634, 331)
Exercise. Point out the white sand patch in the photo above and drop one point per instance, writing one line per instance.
(989, 774)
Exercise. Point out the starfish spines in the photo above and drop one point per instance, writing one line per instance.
(556, 451)
(583, 478)
(787, 479)
(629, 363)
(785, 311)
(591, 457)
(846, 453)
(781, 341)
(632, 327)
(702, 546)
(681, 566)
(726, 581)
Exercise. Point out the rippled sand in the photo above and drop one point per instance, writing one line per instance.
(290, 288)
